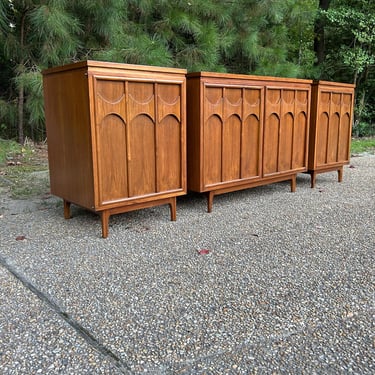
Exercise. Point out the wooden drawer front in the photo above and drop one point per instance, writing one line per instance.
(231, 133)
(285, 130)
(333, 127)
(139, 138)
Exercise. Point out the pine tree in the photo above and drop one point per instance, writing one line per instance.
(36, 34)
(269, 37)
(266, 37)
(182, 33)
(350, 55)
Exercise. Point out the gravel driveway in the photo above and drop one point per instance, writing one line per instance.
(285, 284)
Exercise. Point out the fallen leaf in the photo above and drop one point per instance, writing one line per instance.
(203, 252)
(351, 166)
(20, 238)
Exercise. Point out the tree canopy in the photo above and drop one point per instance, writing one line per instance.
(330, 39)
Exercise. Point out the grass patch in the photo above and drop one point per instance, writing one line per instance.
(23, 169)
(28, 183)
(12, 153)
(362, 145)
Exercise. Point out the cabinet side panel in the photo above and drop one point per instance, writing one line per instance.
(69, 136)
(193, 132)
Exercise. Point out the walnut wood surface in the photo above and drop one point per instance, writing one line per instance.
(116, 136)
(331, 127)
(245, 131)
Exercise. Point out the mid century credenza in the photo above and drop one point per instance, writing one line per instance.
(245, 131)
(330, 128)
(116, 136)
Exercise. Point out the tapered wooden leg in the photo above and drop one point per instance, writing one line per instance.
(293, 184)
(66, 209)
(313, 179)
(172, 206)
(210, 201)
(105, 222)
(340, 173)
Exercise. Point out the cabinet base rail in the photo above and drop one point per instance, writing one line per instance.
(229, 189)
(106, 213)
(313, 173)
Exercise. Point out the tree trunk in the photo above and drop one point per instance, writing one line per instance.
(319, 42)
(21, 90)
(21, 98)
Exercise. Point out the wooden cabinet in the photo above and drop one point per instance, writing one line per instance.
(245, 131)
(116, 136)
(331, 127)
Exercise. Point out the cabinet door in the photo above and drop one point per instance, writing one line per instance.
(231, 133)
(139, 137)
(170, 138)
(333, 127)
(252, 132)
(155, 137)
(111, 140)
(285, 130)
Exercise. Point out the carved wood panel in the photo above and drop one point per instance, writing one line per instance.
(232, 126)
(333, 127)
(139, 138)
(285, 130)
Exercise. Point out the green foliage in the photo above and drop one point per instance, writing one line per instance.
(55, 33)
(271, 37)
(9, 150)
(350, 36)
(361, 145)
(23, 169)
(353, 25)
(267, 37)
(32, 83)
(36, 34)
